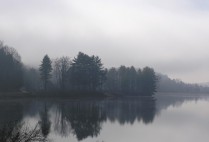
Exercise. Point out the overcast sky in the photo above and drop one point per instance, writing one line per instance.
(172, 36)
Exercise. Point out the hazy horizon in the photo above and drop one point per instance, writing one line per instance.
(169, 36)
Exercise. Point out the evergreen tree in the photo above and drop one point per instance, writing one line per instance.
(128, 81)
(149, 81)
(86, 72)
(132, 74)
(111, 83)
(45, 70)
(98, 74)
(139, 81)
(123, 79)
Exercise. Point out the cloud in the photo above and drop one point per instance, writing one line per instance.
(170, 36)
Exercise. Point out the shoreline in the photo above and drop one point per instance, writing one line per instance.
(85, 96)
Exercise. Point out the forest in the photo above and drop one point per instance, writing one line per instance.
(84, 73)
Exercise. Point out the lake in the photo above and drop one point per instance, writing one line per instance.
(162, 118)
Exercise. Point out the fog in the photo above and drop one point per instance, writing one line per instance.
(170, 36)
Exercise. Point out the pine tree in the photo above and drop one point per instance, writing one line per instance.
(45, 70)
(87, 72)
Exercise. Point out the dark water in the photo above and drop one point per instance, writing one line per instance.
(176, 117)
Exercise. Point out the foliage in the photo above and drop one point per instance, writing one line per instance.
(129, 81)
(175, 85)
(86, 72)
(45, 70)
(149, 80)
(11, 72)
(61, 67)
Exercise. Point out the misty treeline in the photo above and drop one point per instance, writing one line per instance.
(11, 69)
(83, 73)
(131, 81)
(165, 84)
(86, 73)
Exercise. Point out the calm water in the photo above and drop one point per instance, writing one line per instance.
(163, 118)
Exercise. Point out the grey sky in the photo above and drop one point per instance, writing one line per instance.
(168, 35)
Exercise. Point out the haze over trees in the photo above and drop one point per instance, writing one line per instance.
(82, 74)
(32, 81)
(128, 80)
(167, 84)
(11, 71)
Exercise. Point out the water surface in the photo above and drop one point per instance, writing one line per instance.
(163, 118)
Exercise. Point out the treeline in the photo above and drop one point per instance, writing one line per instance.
(82, 74)
(166, 84)
(128, 80)
(11, 69)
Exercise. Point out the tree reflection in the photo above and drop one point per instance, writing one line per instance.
(61, 123)
(12, 129)
(11, 112)
(81, 118)
(84, 119)
(130, 109)
(45, 122)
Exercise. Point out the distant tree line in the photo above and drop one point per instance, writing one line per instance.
(84, 73)
(128, 80)
(166, 84)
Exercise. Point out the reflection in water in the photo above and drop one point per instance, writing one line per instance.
(85, 120)
(82, 119)
(12, 129)
(17, 132)
(129, 110)
(45, 122)
(11, 112)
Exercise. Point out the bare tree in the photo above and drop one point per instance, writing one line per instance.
(61, 67)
